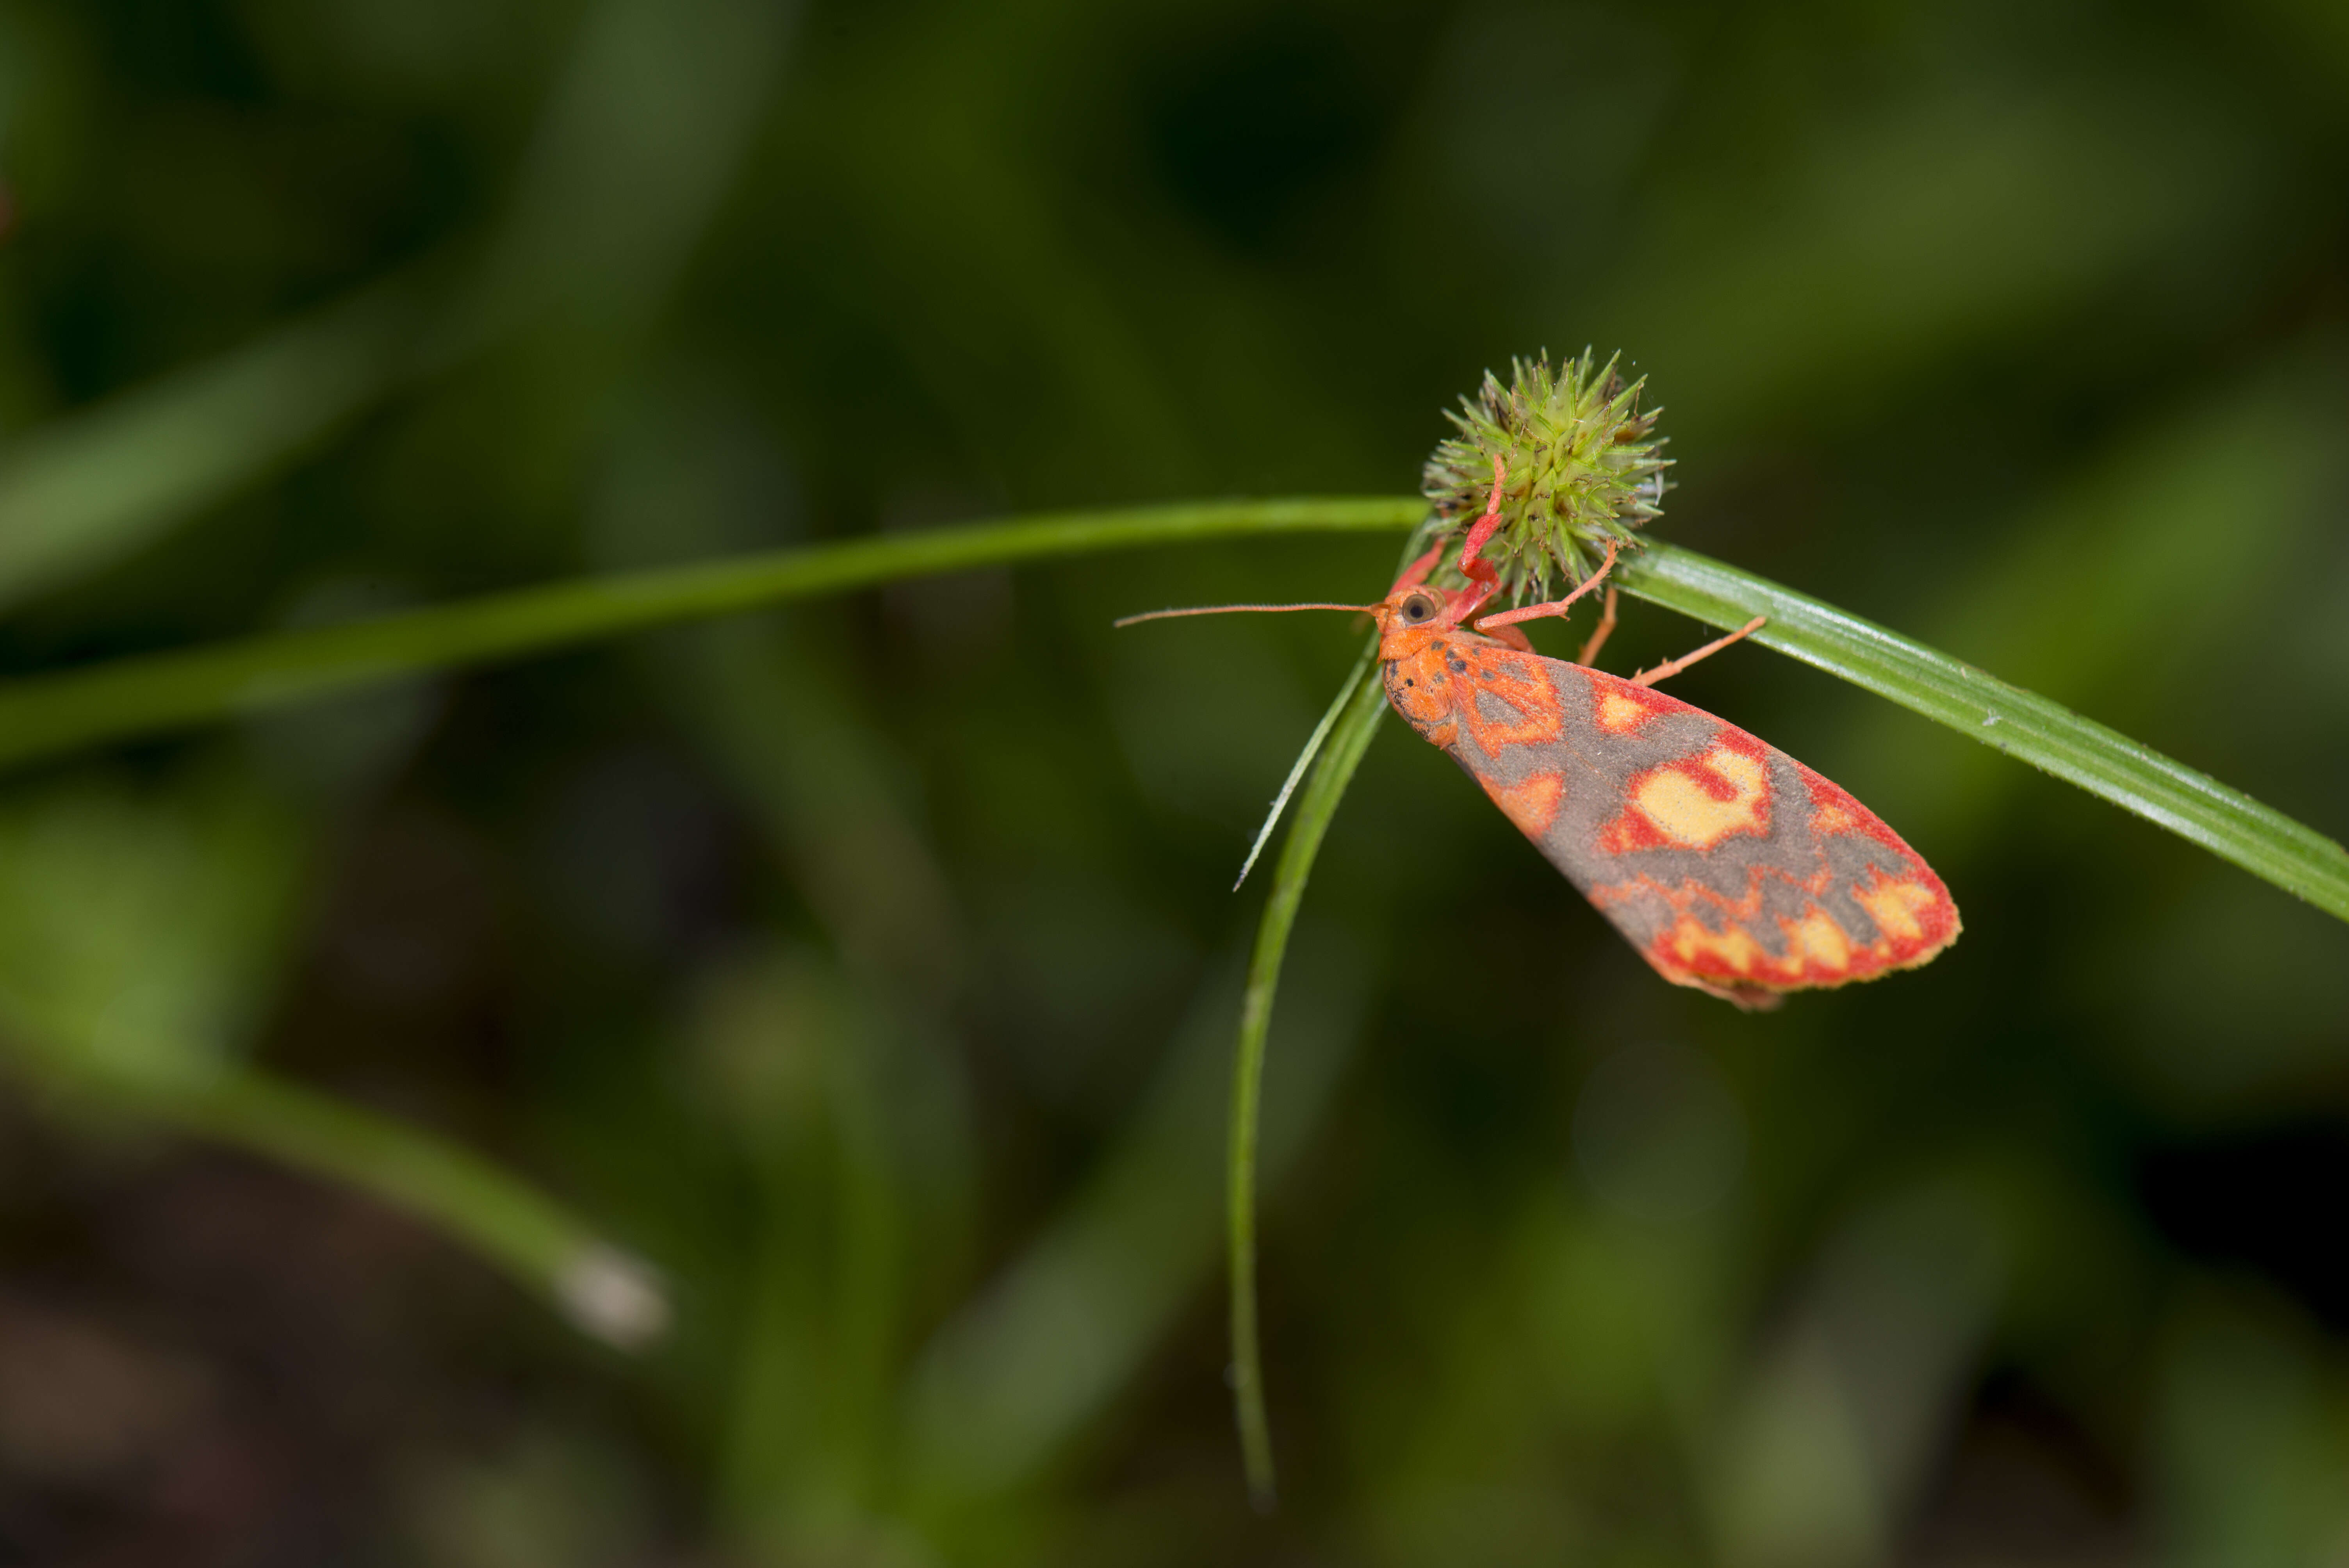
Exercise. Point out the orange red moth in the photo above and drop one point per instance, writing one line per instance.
(1727, 864)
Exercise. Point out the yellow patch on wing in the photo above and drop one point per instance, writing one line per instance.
(1895, 906)
(1620, 714)
(1816, 937)
(1689, 941)
(1690, 815)
(1532, 805)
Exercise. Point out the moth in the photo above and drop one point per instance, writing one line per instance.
(1728, 865)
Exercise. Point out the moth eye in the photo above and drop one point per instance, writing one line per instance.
(1419, 609)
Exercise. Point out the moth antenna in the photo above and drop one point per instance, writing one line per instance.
(1229, 609)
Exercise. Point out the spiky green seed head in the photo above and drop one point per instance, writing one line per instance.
(1581, 466)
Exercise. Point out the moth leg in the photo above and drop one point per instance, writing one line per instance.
(1514, 637)
(1598, 634)
(1487, 525)
(1555, 606)
(1484, 577)
(1417, 573)
(1479, 571)
(1671, 667)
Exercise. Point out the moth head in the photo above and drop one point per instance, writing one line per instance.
(1417, 607)
(1414, 615)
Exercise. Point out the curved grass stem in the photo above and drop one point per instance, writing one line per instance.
(44, 714)
(604, 1290)
(1361, 704)
(1297, 770)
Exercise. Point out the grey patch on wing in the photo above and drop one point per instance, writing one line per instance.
(1493, 708)
(1640, 915)
(1851, 856)
(1592, 764)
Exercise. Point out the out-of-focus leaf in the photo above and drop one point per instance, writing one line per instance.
(2254, 465)
(1821, 1455)
(604, 1290)
(1046, 1346)
(2251, 1432)
(99, 483)
(799, 1061)
(138, 940)
(1949, 218)
(138, 936)
(638, 142)
(632, 153)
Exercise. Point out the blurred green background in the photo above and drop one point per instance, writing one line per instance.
(870, 970)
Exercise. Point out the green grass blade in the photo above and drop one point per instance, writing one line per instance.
(44, 715)
(659, 100)
(99, 483)
(1000, 1396)
(606, 1292)
(1297, 770)
(2021, 724)
(1348, 741)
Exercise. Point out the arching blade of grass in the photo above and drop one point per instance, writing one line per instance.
(142, 930)
(1313, 744)
(658, 99)
(602, 1290)
(100, 483)
(2023, 725)
(1364, 703)
(44, 715)
(1002, 1394)
(48, 714)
